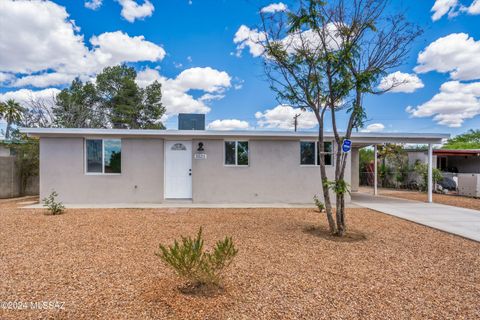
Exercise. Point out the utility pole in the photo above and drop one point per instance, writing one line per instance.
(295, 121)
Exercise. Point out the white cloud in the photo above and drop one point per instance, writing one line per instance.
(310, 39)
(37, 36)
(93, 4)
(210, 97)
(442, 7)
(274, 7)
(46, 46)
(251, 38)
(131, 10)
(43, 80)
(175, 92)
(25, 95)
(457, 53)
(206, 79)
(6, 77)
(474, 8)
(281, 117)
(401, 82)
(454, 103)
(228, 124)
(115, 47)
(374, 127)
(254, 39)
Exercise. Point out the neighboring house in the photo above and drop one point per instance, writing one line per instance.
(152, 166)
(454, 161)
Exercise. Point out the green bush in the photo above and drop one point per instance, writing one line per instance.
(191, 262)
(422, 170)
(318, 203)
(54, 207)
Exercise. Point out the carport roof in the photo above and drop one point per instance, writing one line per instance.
(358, 138)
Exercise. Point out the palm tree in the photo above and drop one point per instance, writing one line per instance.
(12, 112)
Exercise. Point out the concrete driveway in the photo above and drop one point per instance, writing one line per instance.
(459, 221)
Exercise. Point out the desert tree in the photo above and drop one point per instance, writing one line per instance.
(325, 57)
(38, 112)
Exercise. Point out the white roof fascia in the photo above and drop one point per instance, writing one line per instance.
(357, 137)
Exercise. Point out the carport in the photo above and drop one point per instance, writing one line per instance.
(361, 140)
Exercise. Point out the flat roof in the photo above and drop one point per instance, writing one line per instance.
(364, 138)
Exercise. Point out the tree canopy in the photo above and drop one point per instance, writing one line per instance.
(113, 101)
(467, 140)
(325, 57)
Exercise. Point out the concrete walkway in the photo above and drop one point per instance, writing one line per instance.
(459, 221)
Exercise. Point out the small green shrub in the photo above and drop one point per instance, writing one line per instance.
(422, 170)
(191, 262)
(318, 203)
(54, 207)
(340, 187)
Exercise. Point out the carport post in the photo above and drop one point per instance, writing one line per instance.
(430, 182)
(375, 169)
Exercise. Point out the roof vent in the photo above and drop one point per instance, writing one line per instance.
(191, 121)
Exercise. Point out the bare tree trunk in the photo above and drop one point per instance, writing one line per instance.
(323, 175)
(328, 203)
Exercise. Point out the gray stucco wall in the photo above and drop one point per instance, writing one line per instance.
(274, 174)
(355, 169)
(62, 168)
(413, 157)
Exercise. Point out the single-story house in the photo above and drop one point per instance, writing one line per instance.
(153, 166)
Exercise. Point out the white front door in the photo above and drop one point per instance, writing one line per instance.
(178, 169)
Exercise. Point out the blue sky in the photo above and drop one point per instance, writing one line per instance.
(196, 38)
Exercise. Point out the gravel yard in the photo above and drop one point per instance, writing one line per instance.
(451, 200)
(101, 264)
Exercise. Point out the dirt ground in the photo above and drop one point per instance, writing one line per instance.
(451, 200)
(101, 264)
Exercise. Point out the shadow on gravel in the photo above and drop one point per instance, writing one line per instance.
(324, 233)
(201, 290)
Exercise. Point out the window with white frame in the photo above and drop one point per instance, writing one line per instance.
(103, 156)
(310, 153)
(236, 153)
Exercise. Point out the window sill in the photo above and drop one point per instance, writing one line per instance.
(236, 165)
(314, 165)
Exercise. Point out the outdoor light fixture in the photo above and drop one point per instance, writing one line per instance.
(200, 147)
